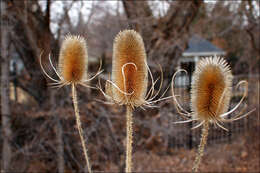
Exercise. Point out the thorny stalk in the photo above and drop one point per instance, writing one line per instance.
(129, 138)
(76, 109)
(203, 141)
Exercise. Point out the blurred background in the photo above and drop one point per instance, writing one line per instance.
(38, 131)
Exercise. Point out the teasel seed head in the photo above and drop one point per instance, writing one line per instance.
(73, 63)
(129, 69)
(211, 88)
(211, 92)
(129, 79)
(73, 59)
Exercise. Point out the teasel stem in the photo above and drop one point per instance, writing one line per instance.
(76, 109)
(129, 138)
(203, 141)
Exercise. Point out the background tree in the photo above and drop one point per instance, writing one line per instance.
(31, 36)
(5, 101)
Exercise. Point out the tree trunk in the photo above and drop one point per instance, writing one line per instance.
(31, 36)
(5, 107)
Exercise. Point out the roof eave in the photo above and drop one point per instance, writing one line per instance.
(203, 53)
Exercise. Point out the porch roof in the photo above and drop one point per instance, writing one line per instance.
(198, 46)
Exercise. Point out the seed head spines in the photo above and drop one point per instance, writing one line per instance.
(73, 59)
(211, 91)
(129, 71)
(211, 88)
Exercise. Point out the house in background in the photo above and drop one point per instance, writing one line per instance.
(197, 48)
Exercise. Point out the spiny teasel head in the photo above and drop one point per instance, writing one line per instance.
(129, 69)
(128, 85)
(211, 88)
(73, 63)
(73, 59)
(211, 91)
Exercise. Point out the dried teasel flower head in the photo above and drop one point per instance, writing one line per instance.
(211, 91)
(73, 63)
(211, 88)
(129, 70)
(73, 59)
(128, 85)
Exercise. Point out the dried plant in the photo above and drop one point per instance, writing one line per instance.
(72, 70)
(210, 96)
(130, 74)
(129, 81)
